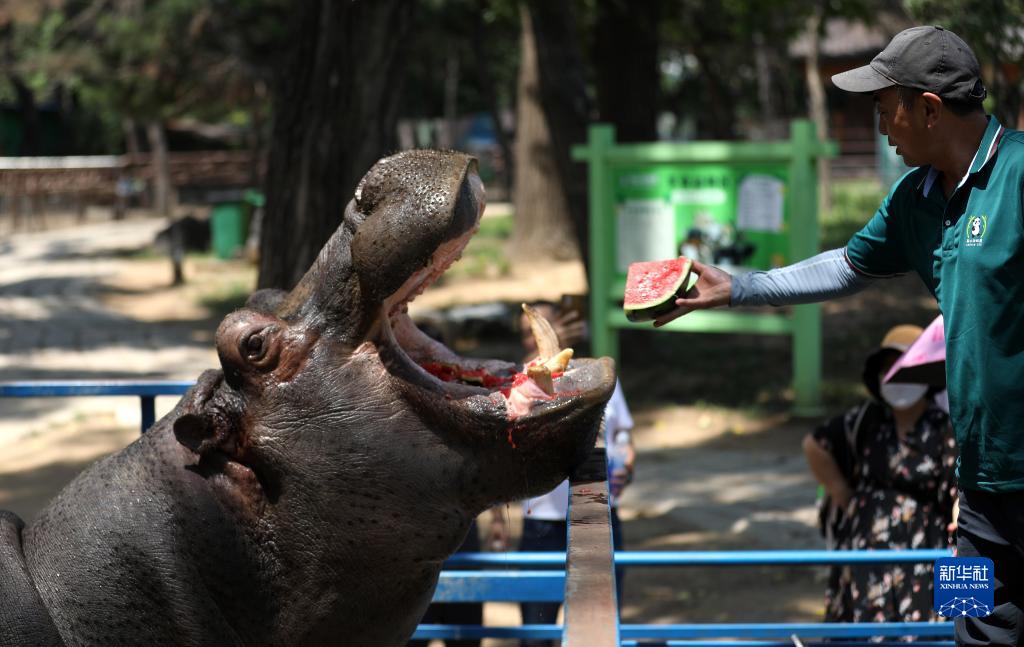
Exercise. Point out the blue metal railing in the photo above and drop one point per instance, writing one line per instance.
(700, 634)
(145, 390)
(707, 558)
(510, 584)
(516, 582)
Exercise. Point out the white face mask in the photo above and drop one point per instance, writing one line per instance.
(902, 396)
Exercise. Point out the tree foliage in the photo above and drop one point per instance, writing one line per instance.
(721, 69)
(994, 29)
(147, 60)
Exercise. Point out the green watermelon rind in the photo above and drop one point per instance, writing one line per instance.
(655, 308)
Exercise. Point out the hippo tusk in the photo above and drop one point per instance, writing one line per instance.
(543, 334)
(560, 361)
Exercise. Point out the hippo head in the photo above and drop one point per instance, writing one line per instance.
(354, 443)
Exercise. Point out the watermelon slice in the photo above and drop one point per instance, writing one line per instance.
(652, 287)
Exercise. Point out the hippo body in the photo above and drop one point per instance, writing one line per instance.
(308, 492)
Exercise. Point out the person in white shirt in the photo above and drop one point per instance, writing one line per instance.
(544, 517)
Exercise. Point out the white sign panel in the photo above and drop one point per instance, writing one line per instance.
(759, 204)
(646, 231)
(705, 197)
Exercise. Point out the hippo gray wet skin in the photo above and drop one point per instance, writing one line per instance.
(308, 492)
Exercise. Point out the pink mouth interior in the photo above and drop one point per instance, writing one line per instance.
(521, 393)
(461, 376)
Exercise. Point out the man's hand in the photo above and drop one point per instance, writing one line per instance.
(711, 291)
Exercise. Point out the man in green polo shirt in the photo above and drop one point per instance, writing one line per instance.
(957, 221)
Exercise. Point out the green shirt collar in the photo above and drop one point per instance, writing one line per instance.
(989, 143)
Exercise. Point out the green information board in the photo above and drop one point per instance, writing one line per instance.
(736, 205)
(726, 215)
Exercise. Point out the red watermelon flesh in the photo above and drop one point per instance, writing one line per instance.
(653, 286)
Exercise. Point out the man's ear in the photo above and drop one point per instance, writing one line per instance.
(932, 105)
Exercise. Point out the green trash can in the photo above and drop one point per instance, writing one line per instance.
(229, 223)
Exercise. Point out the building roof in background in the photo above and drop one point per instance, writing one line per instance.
(845, 38)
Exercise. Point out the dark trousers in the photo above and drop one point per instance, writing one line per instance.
(992, 525)
(456, 613)
(541, 535)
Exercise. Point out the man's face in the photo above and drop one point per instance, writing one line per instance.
(905, 126)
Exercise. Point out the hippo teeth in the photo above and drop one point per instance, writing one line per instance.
(543, 334)
(541, 375)
(560, 361)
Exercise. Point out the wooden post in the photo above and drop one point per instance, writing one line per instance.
(591, 605)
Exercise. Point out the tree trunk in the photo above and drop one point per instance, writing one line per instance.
(30, 140)
(131, 136)
(818, 109)
(335, 110)
(552, 115)
(628, 80)
(256, 138)
(543, 226)
(766, 84)
(161, 168)
(485, 81)
(718, 122)
(451, 97)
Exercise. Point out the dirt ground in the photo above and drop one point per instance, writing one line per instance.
(718, 468)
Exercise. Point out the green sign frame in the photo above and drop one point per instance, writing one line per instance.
(674, 176)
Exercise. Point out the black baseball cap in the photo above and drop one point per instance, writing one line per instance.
(931, 59)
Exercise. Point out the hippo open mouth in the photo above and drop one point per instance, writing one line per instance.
(548, 385)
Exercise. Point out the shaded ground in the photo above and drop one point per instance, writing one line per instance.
(718, 468)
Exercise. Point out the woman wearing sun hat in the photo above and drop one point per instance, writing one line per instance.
(888, 469)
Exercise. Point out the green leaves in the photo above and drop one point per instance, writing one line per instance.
(147, 59)
(995, 31)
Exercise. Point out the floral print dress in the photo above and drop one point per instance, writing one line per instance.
(903, 494)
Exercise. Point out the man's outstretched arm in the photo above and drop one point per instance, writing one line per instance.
(826, 276)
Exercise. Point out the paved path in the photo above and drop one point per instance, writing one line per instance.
(54, 325)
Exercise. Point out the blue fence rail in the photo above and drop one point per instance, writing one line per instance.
(146, 390)
(521, 577)
(513, 585)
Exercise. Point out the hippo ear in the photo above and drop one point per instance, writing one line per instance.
(196, 432)
(208, 418)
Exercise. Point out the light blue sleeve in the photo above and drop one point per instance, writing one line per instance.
(819, 278)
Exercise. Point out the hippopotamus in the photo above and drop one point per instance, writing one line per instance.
(309, 490)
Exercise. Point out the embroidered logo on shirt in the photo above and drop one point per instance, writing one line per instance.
(976, 226)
